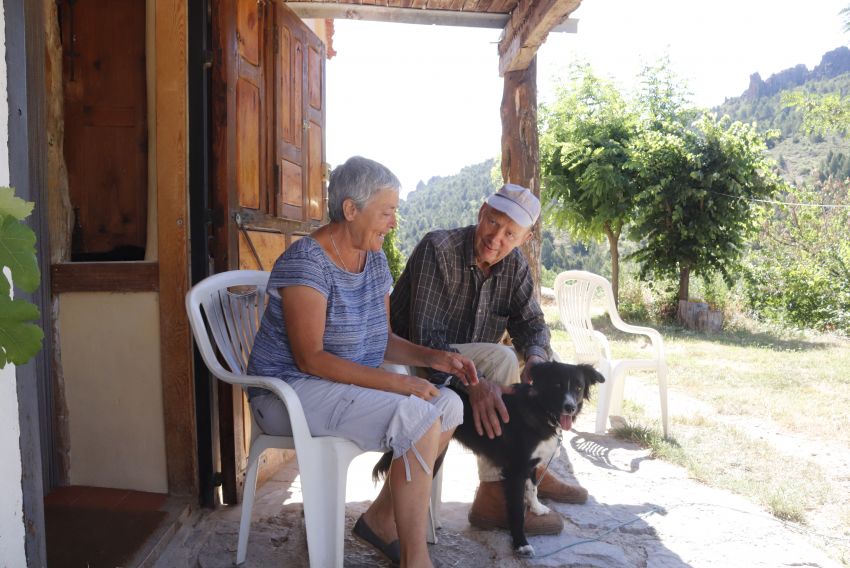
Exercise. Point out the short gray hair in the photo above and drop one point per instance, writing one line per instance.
(358, 179)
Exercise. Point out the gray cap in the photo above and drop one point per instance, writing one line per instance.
(516, 202)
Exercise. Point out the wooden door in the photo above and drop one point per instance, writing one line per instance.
(103, 79)
(269, 186)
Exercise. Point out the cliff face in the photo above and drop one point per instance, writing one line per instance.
(833, 63)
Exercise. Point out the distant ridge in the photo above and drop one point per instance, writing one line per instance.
(833, 64)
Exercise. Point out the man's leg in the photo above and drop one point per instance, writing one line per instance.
(499, 363)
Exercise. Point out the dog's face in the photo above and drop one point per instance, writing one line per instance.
(568, 384)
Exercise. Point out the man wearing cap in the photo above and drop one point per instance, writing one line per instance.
(461, 290)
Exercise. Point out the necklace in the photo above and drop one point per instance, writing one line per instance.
(336, 250)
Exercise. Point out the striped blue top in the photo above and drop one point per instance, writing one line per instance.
(355, 322)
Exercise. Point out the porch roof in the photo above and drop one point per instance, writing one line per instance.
(525, 23)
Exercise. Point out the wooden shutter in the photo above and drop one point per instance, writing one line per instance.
(269, 153)
(103, 78)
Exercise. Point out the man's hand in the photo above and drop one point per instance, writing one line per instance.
(529, 363)
(487, 408)
(455, 364)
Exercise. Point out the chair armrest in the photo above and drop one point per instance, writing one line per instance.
(653, 334)
(279, 387)
(603, 341)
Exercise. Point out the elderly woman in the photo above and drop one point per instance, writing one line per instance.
(326, 332)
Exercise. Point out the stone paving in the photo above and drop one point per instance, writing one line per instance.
(642, 512)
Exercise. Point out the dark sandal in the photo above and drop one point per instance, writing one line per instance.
(391, 551)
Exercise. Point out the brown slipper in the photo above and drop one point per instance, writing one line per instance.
(391, 551)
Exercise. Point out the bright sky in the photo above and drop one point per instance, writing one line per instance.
(425, 100)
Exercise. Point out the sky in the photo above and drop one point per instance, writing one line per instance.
(424, 100)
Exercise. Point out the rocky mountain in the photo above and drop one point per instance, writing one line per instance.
(833, 64)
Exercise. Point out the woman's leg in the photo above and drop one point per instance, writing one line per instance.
(410, 499)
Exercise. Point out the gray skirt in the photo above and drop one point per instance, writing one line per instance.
(375, 420)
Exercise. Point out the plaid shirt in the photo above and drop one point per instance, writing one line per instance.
(442, 297)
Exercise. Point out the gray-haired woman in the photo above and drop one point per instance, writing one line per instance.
(326, 332)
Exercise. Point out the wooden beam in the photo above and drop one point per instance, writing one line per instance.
(520, 146)
(530, 24)
(104, 277)
(172, 186)
(396, 15)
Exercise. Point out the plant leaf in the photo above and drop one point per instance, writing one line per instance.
(19, 339)
(17, 251)
(14, 206)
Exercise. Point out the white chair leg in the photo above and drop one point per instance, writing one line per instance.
(434, 508)
(603, 403)
(323, 470)
(662, 390)
(248, 493)
(619, 386)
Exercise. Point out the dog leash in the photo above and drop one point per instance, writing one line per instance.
(554, 453)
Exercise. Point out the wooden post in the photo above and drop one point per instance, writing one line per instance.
(521, 148)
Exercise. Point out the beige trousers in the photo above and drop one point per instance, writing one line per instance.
(499, 364)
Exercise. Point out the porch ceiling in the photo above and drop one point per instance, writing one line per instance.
(525, 23)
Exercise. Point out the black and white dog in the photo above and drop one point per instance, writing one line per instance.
(537, 413)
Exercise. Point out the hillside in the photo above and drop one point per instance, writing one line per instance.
(799, 156)
(453, 201)
(443, 203)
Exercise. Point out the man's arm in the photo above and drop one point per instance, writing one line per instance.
(429, 296)
(526, 324)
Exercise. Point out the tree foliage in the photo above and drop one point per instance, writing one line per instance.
(584, 148)
(697, 205)
(20, 339)
(799, 270)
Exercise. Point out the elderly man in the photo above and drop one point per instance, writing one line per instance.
(460, 291)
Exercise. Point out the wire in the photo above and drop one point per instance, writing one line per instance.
(771, 201)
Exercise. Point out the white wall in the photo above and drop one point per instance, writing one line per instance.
(12, 552)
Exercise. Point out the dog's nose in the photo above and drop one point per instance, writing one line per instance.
(569, 408)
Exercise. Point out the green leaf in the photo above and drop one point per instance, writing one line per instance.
(17, 251)
(19, 339)
(14, 206)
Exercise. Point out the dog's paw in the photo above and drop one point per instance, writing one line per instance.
(538, 508)
(526, 551)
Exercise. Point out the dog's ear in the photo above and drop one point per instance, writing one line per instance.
(591, 377)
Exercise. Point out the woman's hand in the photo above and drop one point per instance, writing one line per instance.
(416, 386)
(455, 364)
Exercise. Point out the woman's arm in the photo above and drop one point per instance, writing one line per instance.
(303, 312)
(399, 350)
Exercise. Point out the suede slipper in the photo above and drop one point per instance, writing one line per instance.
(391, 551)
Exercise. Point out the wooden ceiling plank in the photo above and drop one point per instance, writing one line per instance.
(502, 6)
(321, 11)
(530, 24)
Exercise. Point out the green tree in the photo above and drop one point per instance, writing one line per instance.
(698, 185)
(799, 270)
(584, 148)
(395, 260)
(20, 339)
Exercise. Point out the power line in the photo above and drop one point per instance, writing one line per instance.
(774, 202)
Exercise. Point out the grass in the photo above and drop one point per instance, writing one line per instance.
(741, 382)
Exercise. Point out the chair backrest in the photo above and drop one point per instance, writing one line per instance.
(225, 310)
(575, 291)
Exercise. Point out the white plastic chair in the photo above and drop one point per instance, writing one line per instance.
(232, 304)
(574, 292)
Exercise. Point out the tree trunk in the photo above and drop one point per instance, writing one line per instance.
(521, 148)
(684, 292)
(613, 240)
